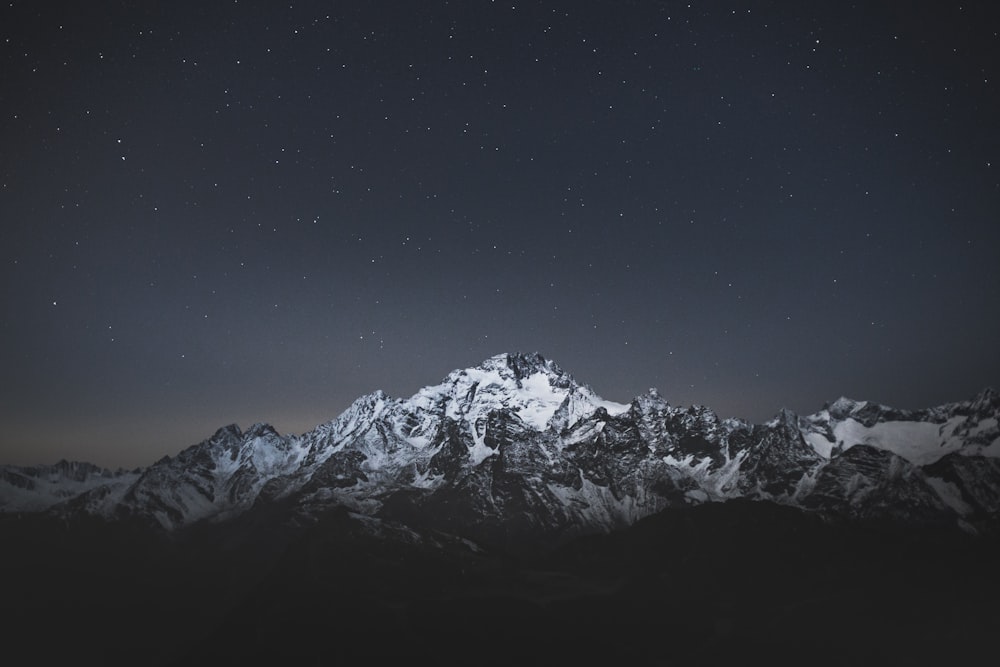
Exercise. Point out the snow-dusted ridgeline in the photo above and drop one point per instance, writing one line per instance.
(516, 438)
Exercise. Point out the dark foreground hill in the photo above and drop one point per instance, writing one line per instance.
(709, 584)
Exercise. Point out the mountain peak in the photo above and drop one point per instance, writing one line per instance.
(988, 399)
(261, 430)
(844, 407)
(651, 401)
(228, 433)
(555, 445)
(529, 385)
(521, 365)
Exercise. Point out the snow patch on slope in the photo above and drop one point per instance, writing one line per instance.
(950, 495)
(919, 443)
(819, 442)
(598, 504)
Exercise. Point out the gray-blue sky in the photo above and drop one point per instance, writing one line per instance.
(258, 212)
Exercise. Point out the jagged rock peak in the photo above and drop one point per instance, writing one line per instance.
(988, 400)
(227, 433)
(519, 366)
(529, 385)
(518, 376)
(369, 401)
(363, 410)
(260, 430)
(844, 406)
(649, 402)
(786, 417)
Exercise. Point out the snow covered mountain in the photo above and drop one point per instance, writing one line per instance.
(516, 450)
(36, 488)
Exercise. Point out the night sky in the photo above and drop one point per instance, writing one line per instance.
(239, 212)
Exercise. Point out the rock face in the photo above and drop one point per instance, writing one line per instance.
(515, 451)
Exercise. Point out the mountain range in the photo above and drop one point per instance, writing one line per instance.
(511, 491)
(515, 450)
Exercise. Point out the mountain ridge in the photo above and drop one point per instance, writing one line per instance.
(516, 449)
(509, 513)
